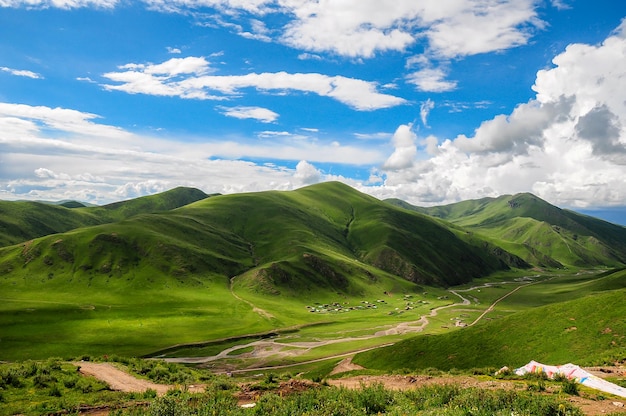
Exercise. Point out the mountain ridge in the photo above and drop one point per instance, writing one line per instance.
(535, 230)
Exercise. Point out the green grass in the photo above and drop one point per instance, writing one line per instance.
(539, 233)
(54, 386)
(159, 279)
(586, 329)
(21, 221)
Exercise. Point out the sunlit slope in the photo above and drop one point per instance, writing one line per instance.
(587, 329)
(21, 220)
(24, 220)
(325, 228)
(540, 233)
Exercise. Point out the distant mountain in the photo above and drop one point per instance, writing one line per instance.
(538, 232)
(24, 220)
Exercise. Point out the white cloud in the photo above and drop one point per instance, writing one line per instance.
(425, 109)
(56, 153)
(263, 115)
(61, 119)
(183, 77)
(21, 72)
(358, 28)
(174, 50)
(403, 157)
(568, 145)
(307, 173)
(431, 80)
(474, 27)
(61, 4)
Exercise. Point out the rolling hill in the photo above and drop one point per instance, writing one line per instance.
(23, 220)
(538, 232)
(156, 279)
(177, 267)
(320, 232)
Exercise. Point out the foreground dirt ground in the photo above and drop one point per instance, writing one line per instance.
(122, 381)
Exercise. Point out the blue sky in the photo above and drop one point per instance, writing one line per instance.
(428, 101)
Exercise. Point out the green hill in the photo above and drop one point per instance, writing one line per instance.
(311, 228)
(179, 267)
(22, 220)
(589, 329)
(158, 279)
(538, 232)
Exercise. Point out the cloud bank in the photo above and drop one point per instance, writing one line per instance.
(567, 145)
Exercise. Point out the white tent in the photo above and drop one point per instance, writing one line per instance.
(573, 372)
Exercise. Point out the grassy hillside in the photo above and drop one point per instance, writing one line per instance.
(22, 220)
(540, 233)
(154, 280)
(587, 328)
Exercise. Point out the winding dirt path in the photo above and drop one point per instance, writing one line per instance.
(264, 314)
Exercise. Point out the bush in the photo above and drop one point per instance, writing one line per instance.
(374, 399)
(149, 394)
(570, 387)
(169, 406)
(55, 391)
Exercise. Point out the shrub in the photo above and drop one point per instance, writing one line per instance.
(570, 387)
(374, 399)
(55, 391)
(149, 394)
(169, 406)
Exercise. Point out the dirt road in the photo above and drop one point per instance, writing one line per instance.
(122, 381)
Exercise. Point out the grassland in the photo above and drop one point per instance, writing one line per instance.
(203, 271)
(581, 321)
(289, 278)
(539, 233)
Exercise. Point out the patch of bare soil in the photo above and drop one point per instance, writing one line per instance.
(250, 394)
(345, 365)
(589, 405)
(121, 381)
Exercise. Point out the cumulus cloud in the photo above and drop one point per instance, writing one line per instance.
(184, 78)
(263, 115)
(358, 28)
(57, 153)
(306, 173)
(568, 144)
(403, 141)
